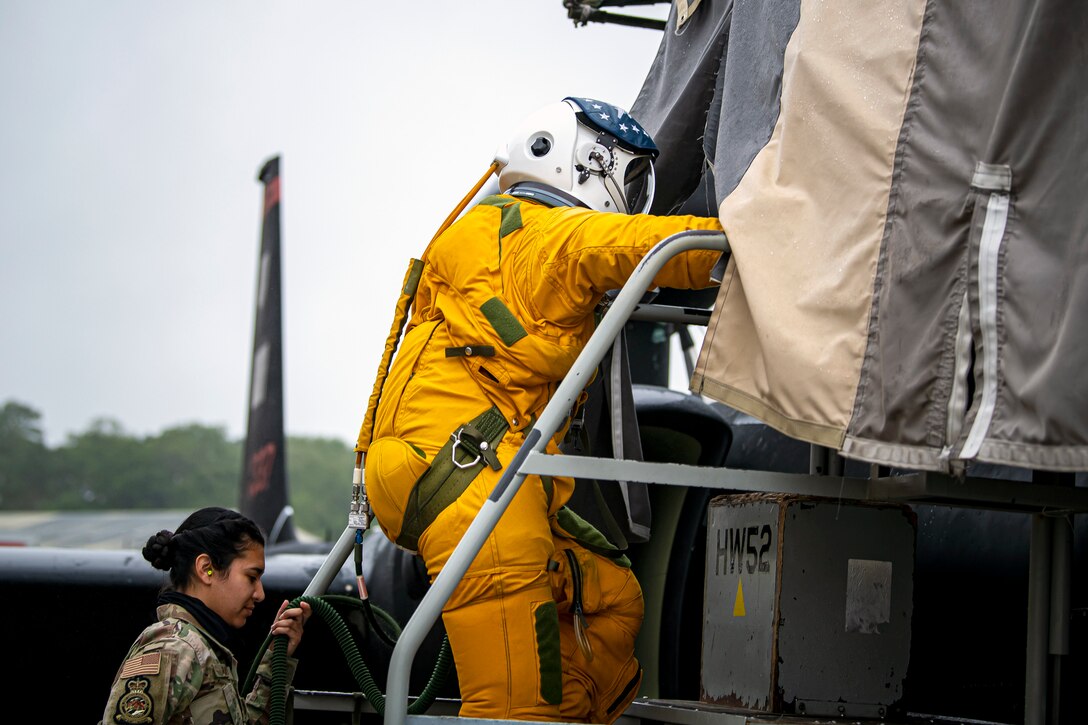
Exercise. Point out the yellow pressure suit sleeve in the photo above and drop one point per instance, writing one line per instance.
(582, 254)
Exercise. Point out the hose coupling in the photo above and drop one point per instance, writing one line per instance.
(359, 513)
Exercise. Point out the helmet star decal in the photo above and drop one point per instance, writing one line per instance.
(615, 121)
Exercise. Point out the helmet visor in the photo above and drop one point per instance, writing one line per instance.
(638, 185)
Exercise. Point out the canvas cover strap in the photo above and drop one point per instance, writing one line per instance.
(607, 425)
(454, 468)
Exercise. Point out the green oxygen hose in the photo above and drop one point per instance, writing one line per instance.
(372, 615)
(321, 606)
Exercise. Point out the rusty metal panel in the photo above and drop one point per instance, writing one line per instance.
(847, 600)
(739, 608)
(808, 604)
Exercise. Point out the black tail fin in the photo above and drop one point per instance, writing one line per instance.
(264, 474)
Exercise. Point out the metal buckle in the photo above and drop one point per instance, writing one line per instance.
(456, 438)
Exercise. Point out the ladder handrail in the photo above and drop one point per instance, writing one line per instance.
(555, 412)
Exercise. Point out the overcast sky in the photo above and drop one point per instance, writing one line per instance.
(131, 133)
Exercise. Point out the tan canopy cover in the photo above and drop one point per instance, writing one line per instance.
(902, 184)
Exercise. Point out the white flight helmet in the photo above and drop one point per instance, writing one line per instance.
(581, 152)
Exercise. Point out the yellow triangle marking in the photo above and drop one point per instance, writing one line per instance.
(738, 605)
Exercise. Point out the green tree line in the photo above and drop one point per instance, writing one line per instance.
(186, 467)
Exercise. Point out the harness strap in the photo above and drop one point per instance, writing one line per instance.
(470, 448)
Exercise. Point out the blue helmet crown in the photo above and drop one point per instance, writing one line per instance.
(617, 122)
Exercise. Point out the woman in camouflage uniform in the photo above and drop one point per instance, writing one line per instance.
(181, 670)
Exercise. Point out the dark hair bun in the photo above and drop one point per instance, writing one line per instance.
(159, 550)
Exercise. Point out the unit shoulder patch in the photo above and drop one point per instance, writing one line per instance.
(137, 704)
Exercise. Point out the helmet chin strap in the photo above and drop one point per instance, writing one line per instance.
(621, 201)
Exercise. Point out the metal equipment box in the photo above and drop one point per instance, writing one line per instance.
(808, 604)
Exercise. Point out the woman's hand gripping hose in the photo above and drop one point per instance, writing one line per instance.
(322, 607)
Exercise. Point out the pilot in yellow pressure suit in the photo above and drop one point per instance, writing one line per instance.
(543, 625)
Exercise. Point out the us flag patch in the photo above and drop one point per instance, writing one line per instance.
(147, 664)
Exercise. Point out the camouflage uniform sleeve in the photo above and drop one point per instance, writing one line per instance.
(259, 700)
(156, 681)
